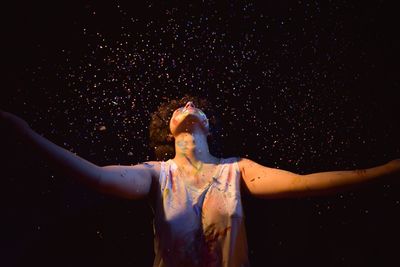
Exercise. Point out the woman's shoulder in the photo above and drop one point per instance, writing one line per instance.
(154, 167)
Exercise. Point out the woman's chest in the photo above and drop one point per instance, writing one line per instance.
(190, 206)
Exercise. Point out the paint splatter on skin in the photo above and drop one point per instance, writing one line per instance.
(361, 172)
(196, 168)
(114, 81)
(182, 146)
(148, 165)
(253, 179)
(287, 86)
(281, 83)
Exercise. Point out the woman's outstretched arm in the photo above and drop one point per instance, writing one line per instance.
(125, 181)
(268, 182)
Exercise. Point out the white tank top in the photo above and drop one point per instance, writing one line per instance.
(199, 227)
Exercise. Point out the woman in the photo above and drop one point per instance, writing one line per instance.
(197, 196)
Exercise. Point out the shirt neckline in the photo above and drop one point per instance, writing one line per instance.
(215, 176)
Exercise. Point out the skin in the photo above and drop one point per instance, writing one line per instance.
(189, 127)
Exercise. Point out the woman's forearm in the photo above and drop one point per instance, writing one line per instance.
(61, 159)
(125, 181)
(334, 181)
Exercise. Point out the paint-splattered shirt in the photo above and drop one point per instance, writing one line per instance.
(199, 227)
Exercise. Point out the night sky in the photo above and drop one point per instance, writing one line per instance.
(304, 86)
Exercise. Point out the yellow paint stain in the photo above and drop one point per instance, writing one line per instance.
(165, 193)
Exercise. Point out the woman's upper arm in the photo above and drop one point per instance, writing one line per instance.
(130, 182)
(268, 182)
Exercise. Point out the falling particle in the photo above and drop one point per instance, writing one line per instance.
(99, 234)
(102, 128)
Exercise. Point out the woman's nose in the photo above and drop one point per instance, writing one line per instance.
(189, 104)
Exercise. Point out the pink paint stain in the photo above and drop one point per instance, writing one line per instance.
(173, 185)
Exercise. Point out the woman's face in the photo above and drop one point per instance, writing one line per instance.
(190, 115)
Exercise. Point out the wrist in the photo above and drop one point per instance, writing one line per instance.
(393, 166)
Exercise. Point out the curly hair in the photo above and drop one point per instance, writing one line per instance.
(161, 139)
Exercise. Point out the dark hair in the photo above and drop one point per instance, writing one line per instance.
(160, 135)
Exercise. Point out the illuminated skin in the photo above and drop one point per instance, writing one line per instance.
(188, 113)
(196, 166)
(189, 127)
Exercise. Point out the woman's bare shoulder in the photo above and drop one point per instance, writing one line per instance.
(154, 167)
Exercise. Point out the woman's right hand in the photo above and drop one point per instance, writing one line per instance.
(13, 122)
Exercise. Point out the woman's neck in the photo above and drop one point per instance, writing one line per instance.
(192, 148)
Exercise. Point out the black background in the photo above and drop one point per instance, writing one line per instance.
(330, 103)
